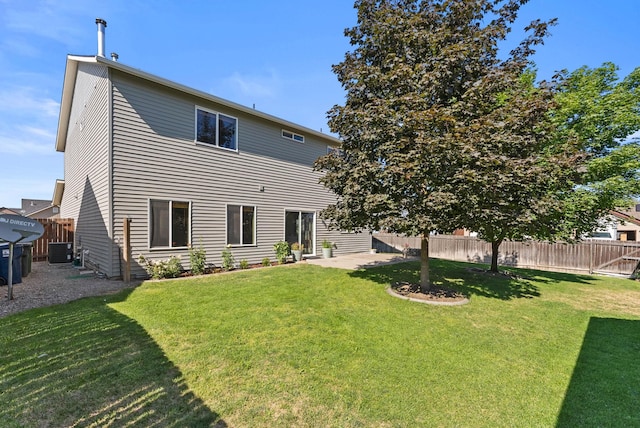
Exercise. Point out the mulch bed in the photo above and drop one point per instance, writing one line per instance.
(435, 294)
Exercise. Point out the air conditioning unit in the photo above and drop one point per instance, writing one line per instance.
(60, 252)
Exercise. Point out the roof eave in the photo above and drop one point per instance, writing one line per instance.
(68, 86)
(625, 217)
(200, 94)
(58, 191)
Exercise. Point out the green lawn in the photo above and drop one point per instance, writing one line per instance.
(302, 345)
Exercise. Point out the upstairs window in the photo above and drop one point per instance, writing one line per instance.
(292, 136)
(216, 129)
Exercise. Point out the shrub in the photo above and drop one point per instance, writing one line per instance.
(228, 261)
(327, 244)
(170, 268)
(198, 260)
(244, 264)
(266, 262)
(296, 246)
(281, 249)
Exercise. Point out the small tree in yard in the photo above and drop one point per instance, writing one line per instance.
(423, 78)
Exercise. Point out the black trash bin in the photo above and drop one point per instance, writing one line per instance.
(27, 259)
(4, 264)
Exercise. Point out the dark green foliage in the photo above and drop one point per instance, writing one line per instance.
(512, 174)
(430, 111)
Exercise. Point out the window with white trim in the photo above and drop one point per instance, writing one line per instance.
(169, 224)
(292, 136)
(300, 226)
(216, 129)
(241, 225)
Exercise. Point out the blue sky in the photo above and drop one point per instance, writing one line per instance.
(274, 54)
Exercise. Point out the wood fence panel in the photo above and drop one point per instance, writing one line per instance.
(55, 230)
(587, 256)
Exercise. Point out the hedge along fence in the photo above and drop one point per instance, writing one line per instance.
(614, 257)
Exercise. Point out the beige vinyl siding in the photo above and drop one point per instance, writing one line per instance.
(86, 163)
(155, 157)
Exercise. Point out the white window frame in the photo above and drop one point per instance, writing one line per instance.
(315, 226)
(170, 224)
(293, 136)
(255, 225)
(217, 115)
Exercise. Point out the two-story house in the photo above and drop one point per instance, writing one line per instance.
(187, 168)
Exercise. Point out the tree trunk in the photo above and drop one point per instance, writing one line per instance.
(495, 245)
(424, 263)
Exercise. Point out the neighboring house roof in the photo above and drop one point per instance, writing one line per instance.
(30, 206)
(69, 86)
(5, 210)
(50, 211)
(626, 216)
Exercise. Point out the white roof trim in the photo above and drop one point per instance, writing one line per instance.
(69, 85)
(58, 191)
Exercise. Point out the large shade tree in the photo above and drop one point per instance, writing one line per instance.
(513, 175)
(601, 112)
(422, 78)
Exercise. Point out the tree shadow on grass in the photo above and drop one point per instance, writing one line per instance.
(605, 386)
(470, 279)
(548, 277)
(83, 363)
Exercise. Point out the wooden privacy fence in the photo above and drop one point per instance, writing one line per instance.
(55, 230)
(612, 257)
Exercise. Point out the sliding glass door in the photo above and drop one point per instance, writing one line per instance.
(299, 227)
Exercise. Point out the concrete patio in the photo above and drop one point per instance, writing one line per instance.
(359, 260)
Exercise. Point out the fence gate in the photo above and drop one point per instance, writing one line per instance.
(55, 230)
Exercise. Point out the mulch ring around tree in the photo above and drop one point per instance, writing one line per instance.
(434, 296)
(503, 273)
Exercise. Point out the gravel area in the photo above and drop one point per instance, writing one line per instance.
(52, 284)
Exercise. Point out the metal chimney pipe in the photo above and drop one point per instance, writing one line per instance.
(114, 56)
(102, 24)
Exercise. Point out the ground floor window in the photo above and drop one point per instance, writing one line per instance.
(626, 235)
(241, 225)
(169, 224)
(299, 226)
